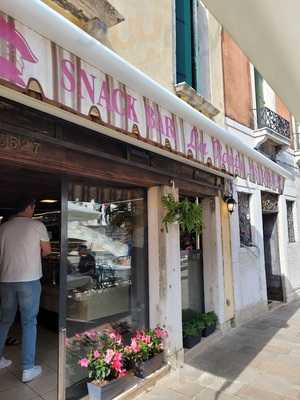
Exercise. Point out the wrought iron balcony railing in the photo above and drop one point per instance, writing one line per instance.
(267, 118)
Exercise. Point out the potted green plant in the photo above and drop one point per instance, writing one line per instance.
(192, 332)
(145, 352)
(210, 321)
(186, 213)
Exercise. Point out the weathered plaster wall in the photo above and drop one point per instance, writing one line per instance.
(145, 38)
(164, 274)
(216, 67)
(212, 258)
(290, 252)
(281, 109)
(248, 262)
(237, 82)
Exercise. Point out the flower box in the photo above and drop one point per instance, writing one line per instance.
(146, 368)
(191, 341)
(208, 330)
(111, 389)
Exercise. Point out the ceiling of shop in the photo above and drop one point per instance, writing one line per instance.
(17, 181)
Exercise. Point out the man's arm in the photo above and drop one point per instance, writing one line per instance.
(44, 239)
(46, 248)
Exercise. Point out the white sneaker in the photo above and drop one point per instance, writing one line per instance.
(32, 373)
(4, 363)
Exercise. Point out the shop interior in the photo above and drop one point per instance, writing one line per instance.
(105, 264)
(45, 188)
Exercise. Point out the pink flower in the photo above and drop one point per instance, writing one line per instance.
(147, 339)
(109, 356)
(127, 349)
(116, 337)
(96, 354)
(123, 372)
(160, 333)
(135, 346)
(117, 362)
(140, 335)
(91, 334)
(84, 362)
(77, 336)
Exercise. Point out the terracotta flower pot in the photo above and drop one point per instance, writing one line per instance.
(145, 368)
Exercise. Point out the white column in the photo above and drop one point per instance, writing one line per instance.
(164, 274)
(283, 246)
(212, 257)
(256, 219)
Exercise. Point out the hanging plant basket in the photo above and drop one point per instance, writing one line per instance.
(186, 213)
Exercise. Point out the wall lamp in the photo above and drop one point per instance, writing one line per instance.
(229, 200)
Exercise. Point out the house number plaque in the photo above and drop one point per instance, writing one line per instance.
(20, 143)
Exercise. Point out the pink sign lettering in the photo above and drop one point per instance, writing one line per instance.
(199, 148)
(14, 40)
(116, 100)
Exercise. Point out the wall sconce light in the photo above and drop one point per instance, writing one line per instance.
(229, 200)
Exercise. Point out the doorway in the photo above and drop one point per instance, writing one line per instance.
(45, 188)
(192, 277)
(95, 280)
(272, 260)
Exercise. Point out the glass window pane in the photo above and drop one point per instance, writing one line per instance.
(290, 220)
(244, 219)
(107, 267)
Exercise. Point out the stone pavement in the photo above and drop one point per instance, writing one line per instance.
(258, 361)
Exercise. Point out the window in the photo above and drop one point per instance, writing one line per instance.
(290, 221)
(192, 46)
(107, 265)
(244, 219)
(184, 42)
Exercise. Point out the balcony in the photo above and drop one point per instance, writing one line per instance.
(267, 118)
(273, 133)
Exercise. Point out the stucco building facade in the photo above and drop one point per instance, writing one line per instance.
(235, 89)
(126, 102)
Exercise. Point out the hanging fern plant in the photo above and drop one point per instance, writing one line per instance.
(187, 213)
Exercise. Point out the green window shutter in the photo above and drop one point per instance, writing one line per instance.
(259, 91)
(184, 60)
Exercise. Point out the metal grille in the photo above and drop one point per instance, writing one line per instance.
(290, 221)
(244, 219)
(269, 203)
(267, 118)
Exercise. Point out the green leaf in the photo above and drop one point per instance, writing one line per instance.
(187, 213)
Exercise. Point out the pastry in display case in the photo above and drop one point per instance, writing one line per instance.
(100, 278)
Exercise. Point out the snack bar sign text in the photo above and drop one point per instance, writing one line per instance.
(26, 57)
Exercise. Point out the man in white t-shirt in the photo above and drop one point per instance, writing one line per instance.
(22, 243)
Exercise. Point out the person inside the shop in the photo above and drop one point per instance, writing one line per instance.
(87, 263)
(11, 340)
(23, 241)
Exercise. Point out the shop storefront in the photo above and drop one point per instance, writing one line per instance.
(98, 143)
(92, 197)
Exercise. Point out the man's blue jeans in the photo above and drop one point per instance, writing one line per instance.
(26, 296)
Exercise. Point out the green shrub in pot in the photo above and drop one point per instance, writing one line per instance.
(192, 332)
(210, 321)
